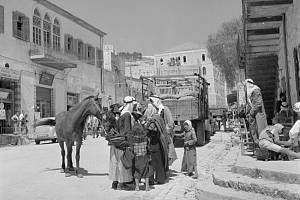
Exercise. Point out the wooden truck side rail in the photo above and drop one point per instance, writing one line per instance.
(193, 106)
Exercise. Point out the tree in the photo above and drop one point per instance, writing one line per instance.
(222, 49)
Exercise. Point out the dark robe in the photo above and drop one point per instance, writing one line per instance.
(159, 149)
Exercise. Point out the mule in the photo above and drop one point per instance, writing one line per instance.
(69, 129)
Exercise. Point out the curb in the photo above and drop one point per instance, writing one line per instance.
(284, 177)
(265, 187)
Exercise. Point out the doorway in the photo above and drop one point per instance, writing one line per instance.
(44, 102)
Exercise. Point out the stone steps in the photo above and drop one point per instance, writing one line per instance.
(208, 191)
(283, 177)
(270, 188)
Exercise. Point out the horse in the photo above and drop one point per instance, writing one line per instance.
(69, 129)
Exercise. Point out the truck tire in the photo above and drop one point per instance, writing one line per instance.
(200, 132)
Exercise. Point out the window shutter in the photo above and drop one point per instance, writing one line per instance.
(86, 53)
(26, 29)
(83, 55)
(14, 23)
(1, 19)
(75, 47)
(66, 42)
(93, 56)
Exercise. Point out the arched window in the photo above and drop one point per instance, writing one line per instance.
(47, 30)
(204, 71)
(56, 35)
(37, 24)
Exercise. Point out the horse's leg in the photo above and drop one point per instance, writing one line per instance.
(62, 147)
(78, 145)
(69, 158)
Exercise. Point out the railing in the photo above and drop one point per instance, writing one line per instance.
(17, 128)
(56, 53)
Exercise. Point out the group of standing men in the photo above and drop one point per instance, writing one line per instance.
(148, 130)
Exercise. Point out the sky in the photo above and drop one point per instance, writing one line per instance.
(153, 26)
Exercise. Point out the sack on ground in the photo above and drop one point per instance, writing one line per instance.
(127, 158)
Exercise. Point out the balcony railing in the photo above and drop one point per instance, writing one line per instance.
(49, 56)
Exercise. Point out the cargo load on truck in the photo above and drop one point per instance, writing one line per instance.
(185, 95)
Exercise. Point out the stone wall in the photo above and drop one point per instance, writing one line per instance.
(293, 41)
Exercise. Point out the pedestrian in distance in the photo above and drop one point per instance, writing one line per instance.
(15, 118)
(189, 160)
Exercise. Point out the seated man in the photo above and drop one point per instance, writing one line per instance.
(269, 139)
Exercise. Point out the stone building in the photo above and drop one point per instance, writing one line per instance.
(271, 48)
(50, 59)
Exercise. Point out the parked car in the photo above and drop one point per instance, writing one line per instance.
(44, 129)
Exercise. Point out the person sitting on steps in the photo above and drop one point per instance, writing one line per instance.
(269, 139)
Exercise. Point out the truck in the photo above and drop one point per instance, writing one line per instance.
(187, 98)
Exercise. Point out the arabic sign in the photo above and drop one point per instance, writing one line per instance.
(3, 95)
(46, 79)
(9, 73)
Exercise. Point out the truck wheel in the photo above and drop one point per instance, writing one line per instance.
(200, 132)
(37, 142)
(53, 140)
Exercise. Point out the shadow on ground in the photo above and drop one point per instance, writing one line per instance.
(83, 171)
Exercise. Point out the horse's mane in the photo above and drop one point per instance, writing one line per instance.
(81, 102)
(89, 97)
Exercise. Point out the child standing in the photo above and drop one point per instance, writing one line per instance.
(142, 167)
(189, 161)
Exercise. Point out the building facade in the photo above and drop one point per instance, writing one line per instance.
(135, 67)
(188, 59)
(288, 59)
(271, 48)
(49, 58)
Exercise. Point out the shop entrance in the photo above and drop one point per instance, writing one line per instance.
(44, 102)
(9, 93)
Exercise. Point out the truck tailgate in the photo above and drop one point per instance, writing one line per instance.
(183, 108)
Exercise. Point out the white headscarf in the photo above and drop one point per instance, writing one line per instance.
(189, 123)
(157, 103)
(278, 128)
(150, 111)
(128, 105)
(250, 88)
(296, 107)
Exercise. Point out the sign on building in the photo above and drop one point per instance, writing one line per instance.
(108, 50)
(2, 112)
(9, 73)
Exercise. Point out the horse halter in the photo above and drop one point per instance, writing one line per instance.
(99, 112)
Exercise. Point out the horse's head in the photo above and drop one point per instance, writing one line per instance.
(95, 107)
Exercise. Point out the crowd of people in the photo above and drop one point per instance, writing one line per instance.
(141, 143)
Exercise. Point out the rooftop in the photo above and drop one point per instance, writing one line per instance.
(185, 47)
(70, 16)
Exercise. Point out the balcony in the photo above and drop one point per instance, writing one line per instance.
(50, 57)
